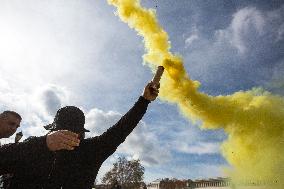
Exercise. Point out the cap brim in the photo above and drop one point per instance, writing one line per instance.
(52, 126)
(86, 130)
(49, 126)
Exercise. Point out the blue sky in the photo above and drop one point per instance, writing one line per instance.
(57, 52)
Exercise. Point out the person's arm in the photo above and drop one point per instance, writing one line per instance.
(13, 155)
(114, 136)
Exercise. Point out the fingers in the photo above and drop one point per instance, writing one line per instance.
(68, 142)
(62, 140)
(151, 91)
(63, 146)
(154, 88)
(70, 137)
(155, 91)
(68, 133)
(153, 85)
(156, 85)
(149, 85)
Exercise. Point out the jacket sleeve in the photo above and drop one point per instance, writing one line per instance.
(13, 156)
(115, 135)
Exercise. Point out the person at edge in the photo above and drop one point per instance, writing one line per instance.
(77, 169)
(9, 123)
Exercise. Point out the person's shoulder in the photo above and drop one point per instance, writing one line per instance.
(88, 145)
(30, 138)
(89, 141)
(35, 139)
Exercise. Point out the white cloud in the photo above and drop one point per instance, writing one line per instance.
(98, 121)
(146, 146)
(51, 97)
(141, 143)
(51, 100)
(191, 39)
(50, 42)
(209, 171)
(188, 170)
(252, 39)
(37, 107)
(188, 138)
(276, 84)
(251, 27)
(246, 24)
(280, 32)
(86, 50)
(199, 148)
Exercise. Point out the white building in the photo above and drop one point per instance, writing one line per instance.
(155, 184)
(216, 183)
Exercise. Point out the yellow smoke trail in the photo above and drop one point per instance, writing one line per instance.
(253, 120)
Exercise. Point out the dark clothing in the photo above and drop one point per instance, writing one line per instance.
(75, 169)
(13, 155)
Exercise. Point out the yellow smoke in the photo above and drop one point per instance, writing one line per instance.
(253, 120)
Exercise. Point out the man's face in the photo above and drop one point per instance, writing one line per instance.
(8, 125)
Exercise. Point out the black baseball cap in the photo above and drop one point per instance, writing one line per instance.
(68, 118)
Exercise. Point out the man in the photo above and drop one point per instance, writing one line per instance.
(9, 122)
(78, 169)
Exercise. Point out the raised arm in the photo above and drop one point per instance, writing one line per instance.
(114, 136)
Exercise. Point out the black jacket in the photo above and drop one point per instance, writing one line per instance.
(13, 155)
(75, 169)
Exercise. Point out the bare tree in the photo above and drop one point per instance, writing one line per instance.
(128, 174)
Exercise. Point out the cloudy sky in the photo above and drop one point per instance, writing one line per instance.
(77, 52)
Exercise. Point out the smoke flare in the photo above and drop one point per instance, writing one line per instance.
(253, 120)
